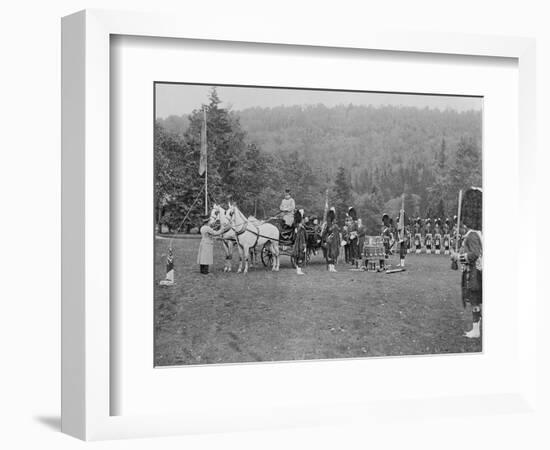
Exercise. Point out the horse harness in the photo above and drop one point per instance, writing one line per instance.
(256, 233)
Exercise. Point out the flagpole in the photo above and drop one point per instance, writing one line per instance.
(206, 169)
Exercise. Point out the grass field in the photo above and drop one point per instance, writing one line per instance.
(267, 316)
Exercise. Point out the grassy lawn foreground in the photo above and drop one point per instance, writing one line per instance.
(266, 316)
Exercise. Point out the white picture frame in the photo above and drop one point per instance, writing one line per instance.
(86, 326)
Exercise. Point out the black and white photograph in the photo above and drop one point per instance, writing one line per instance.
(267, 225)
(299, 224)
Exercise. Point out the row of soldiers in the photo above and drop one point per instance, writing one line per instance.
(417, 234)
(434, 236)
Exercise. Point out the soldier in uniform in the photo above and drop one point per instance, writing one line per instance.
(205, 256)
(428, 237)
(386, 239)
(446, 236)
(352, 230)
(455, 234)
(447, 226)
(470, 257)
(361, 233)
(418, 235)
(437, 236)
(300, 242)
(345, 240)
(402, 239)
(408, 230)
(331, 240)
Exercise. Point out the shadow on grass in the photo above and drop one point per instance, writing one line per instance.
(51, 422)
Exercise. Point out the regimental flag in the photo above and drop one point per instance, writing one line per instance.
(325, 212)
(203, 160)
(169, 280)
(170, 261)
(401, 229)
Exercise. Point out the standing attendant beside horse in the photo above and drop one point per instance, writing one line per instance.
(218, 214)
(205, 257)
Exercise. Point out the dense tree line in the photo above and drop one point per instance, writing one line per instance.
(365, 156)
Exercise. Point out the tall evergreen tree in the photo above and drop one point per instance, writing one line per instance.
(342, 194)
(465, 171)
(442, 156)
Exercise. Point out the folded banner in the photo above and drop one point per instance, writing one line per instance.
(203, 160)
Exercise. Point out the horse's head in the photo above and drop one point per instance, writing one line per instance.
(234, 215)
(215, 214)
(230, 213)
(220, 214)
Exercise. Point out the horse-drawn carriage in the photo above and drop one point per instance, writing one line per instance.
(287, 238)
(268, 237)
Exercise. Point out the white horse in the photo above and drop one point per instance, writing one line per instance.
(252, 234)
(218, 213)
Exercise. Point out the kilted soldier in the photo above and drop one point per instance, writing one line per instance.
(470, 257)
(455, 233)
(417, 225)
(447, 226)
(352, 230)
(409, 238)
(300, 242)
(345, 240)
(428, 225)
(386, 239)
(428, 238)
(402, 239)
(331, 240)
(205, 256)
(386, 234)
(447, 236)
(418, 235)
(316, 233)
(361, 233)
(437, 237)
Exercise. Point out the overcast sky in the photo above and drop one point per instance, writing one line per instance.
(180, 99)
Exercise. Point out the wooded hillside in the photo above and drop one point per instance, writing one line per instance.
(373, 154)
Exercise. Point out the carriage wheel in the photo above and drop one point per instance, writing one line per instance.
(267, 256)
